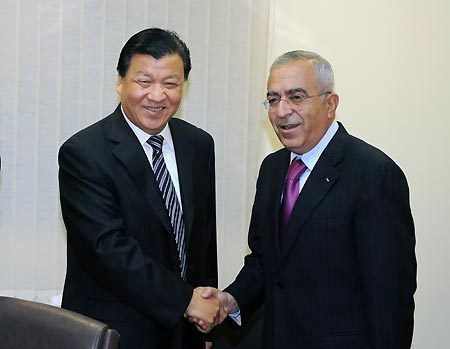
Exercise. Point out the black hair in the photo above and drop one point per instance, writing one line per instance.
(157, 43)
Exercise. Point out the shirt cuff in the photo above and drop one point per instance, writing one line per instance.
(236, 317)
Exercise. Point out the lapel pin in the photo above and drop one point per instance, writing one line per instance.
(327, 179)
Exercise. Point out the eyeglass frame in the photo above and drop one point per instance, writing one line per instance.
(297, 101)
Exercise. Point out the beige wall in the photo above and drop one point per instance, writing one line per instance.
(391, 62)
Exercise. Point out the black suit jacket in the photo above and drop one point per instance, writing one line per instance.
(122, 261)
(344, 273)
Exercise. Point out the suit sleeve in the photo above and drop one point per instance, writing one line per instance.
(95, 231)
(385, 241)
(211, 272)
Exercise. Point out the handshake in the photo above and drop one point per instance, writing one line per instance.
(209, 307)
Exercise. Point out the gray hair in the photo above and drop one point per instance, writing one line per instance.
(322, 69)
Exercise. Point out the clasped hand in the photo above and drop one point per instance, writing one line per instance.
(209, 307)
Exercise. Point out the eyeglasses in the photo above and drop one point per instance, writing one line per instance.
(273, 102)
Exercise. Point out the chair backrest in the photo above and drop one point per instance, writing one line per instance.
(31, 325)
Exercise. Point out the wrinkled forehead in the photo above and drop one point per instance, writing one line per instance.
(292, 76)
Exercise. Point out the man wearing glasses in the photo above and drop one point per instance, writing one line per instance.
(331, 234)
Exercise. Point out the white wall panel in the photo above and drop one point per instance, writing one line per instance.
(58, 70)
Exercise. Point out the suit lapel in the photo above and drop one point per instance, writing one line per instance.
(129, 151)
(184, 156)
(275, 191)
(319, 183)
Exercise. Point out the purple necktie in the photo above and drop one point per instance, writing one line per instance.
(290, 191)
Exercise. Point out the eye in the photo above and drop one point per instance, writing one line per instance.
(273, 100)
(171, 84)
(143, 83)
(297, 98)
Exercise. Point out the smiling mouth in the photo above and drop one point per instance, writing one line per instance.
(288, 126)
(154, 109)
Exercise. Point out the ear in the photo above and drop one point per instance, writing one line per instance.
(332, 103)
(119, 85)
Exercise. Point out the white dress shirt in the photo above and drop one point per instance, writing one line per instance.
(311, 157)
(168, 152)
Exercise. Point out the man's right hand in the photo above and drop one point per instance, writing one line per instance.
(227, 305)
(204, 310)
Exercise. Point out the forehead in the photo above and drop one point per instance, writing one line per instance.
(292, 75)
(148, 65)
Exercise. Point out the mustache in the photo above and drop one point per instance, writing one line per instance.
(285, 123)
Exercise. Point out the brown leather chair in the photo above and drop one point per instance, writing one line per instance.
(32, 325)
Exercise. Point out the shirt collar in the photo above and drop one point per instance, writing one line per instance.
(311, 157)
(143, 136)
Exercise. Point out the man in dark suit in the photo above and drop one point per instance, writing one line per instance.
(140, 210)
(339, 270)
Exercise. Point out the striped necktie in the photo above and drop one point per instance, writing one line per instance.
(170, 198)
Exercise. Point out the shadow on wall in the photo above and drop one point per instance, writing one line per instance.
(231, 336)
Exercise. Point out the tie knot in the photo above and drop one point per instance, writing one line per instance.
(156, 142)
(295, 170)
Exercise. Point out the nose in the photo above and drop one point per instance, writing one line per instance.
(156, 92)
(284, 108)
